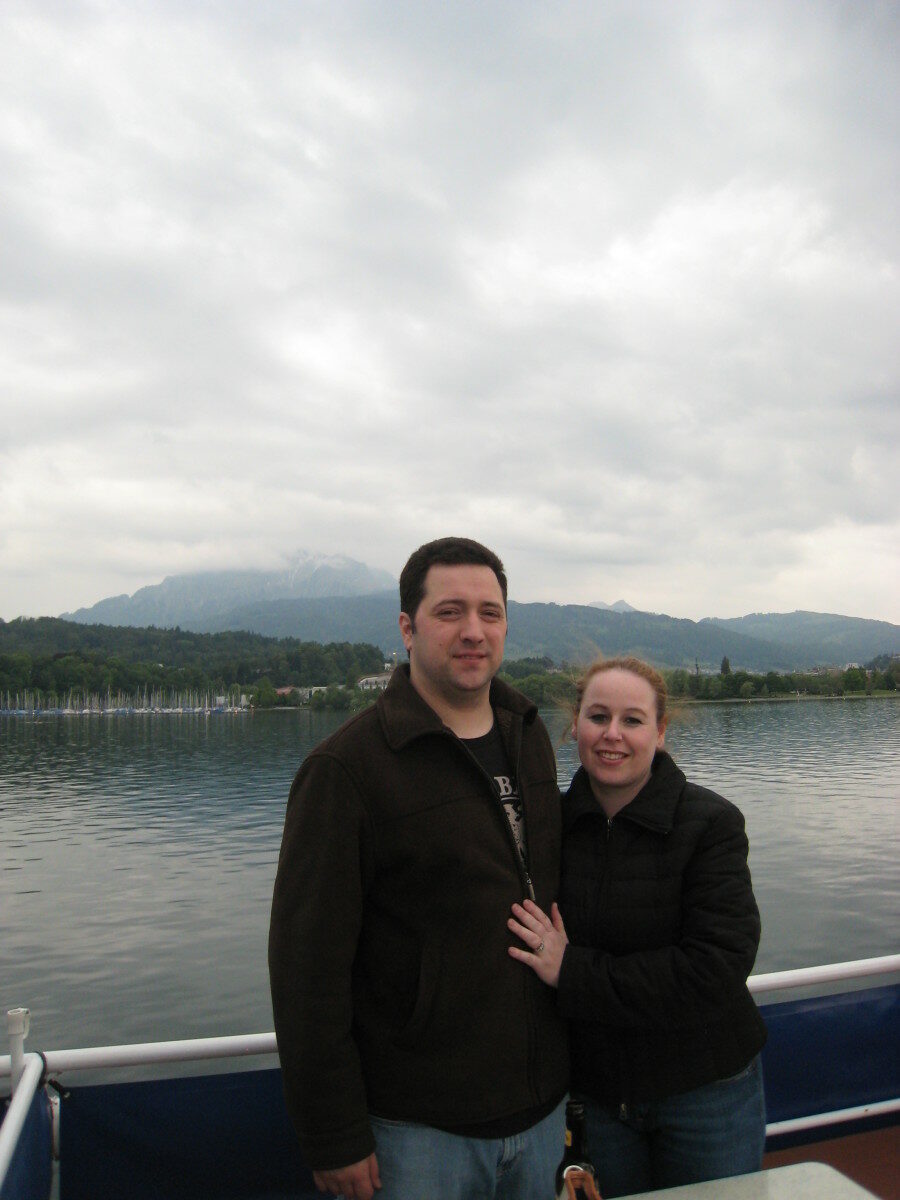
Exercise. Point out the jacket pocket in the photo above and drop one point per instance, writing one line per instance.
(409, 1034)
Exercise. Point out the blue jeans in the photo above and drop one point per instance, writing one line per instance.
(710, 1133)
(417, 1162)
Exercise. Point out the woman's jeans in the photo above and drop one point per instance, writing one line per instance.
(710, 1133)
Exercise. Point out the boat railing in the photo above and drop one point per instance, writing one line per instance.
(27, 1071)
(151, 1053)
(803, 977)
(27, 1078)
(241, 1045)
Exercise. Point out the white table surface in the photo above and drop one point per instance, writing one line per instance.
(800, 1181)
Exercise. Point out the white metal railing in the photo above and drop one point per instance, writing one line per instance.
(189, 1050)
(18, 1021)
(16, 1114)
(779, 981)
(861, 968)
(820, 1120)
(146, 1053)
(26, 1069)
(199, 1049)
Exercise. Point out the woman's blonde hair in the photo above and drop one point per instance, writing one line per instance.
(636, 666)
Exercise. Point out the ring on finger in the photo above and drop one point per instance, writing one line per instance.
(540, 947)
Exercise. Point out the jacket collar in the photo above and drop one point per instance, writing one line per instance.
(653, 807)
(405, 716)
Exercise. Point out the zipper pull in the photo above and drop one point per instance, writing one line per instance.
(530, 886)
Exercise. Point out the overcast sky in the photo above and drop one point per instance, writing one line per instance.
(612, 287)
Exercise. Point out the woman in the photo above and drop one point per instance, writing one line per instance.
(660, 934)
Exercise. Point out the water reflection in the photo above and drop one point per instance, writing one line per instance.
(138, 853)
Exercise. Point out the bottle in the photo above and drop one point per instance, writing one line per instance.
(576, 1178)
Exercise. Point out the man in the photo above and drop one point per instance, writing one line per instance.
(418, 1057)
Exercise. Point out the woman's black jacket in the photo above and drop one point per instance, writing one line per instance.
(663, 930)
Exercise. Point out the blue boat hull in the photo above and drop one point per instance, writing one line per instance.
(227, 1135)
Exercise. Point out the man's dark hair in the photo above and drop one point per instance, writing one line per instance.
(444, 552)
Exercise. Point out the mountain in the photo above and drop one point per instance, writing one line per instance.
(348, 616)
(575, 633)
(618, 606)
(826, 639)
(566, 633)
(335, 599)
(197, 601)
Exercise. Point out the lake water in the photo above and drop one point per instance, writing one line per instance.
(137, 853)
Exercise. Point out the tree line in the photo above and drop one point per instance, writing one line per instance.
(547, 684)
(745, 685)
(52, 658)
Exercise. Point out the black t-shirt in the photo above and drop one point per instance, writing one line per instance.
(492, 756)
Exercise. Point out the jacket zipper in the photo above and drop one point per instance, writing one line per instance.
(527, 845)
(601, 901)
(524, 877)
(528, 983)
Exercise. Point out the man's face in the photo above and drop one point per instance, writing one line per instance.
(455, 639)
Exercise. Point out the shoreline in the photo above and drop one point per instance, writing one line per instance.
(793, 699)
(678, 702)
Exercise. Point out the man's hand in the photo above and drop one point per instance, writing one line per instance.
(359, 1181)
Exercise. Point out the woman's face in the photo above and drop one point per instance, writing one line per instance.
(618, 734)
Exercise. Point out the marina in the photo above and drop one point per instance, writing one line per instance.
(164, 702)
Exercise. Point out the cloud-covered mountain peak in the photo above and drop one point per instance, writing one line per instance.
(189, 598)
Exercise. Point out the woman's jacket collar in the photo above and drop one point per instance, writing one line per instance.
(653, 807)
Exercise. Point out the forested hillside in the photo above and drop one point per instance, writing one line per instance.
(57, 656)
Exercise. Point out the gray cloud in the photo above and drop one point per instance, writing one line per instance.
(613, 287)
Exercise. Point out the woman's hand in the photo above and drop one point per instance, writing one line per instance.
(544, 936)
